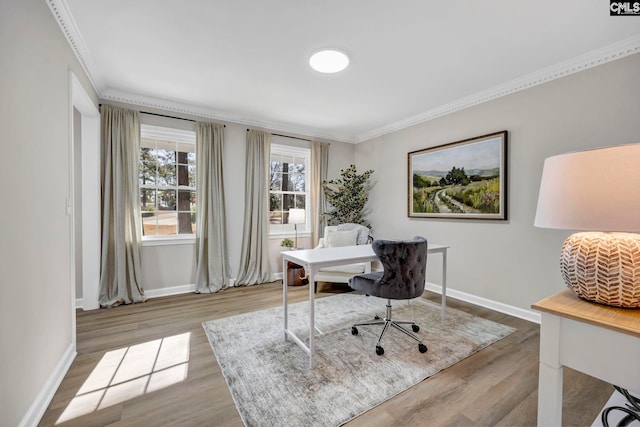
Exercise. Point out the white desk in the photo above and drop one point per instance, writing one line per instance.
(595, 339)
(314, 259)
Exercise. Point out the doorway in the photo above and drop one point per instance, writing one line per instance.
(84, 206)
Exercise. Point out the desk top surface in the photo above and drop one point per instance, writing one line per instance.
(359, 253)
(567, 304)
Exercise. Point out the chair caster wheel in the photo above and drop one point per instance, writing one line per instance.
(354, 330)
(380, 350)
(377, 317)
(422, 348)
(415, 328)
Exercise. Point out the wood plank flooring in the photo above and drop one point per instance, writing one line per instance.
(495, 387)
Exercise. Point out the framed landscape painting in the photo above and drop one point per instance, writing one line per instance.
(464, 179)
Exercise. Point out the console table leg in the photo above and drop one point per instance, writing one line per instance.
(549, 396)
(550, 373)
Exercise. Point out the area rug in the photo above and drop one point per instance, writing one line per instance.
(269, 377)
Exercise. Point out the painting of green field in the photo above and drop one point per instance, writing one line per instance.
(465, 179)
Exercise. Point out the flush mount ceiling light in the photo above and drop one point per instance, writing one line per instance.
(329, 61)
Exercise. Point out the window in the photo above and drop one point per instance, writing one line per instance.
(288, 187)
(167, 176)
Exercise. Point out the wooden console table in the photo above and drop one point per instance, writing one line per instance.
(595, 339)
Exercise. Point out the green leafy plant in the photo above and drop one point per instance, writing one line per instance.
(287, 243)
(348, 196)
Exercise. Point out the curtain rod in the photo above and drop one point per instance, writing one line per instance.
(171, 117)
(288, 136)
(164, 115)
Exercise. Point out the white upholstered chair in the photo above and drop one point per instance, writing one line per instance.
(343, 235)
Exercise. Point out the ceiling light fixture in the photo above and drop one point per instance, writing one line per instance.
(329, 61)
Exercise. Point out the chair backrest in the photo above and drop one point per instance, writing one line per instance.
(405, 266)
(364, 233)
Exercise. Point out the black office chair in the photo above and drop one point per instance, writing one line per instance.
(403, 277)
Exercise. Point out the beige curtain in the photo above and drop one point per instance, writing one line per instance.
(120, 273)
(212, 273)
(319, 167)
(254, 258)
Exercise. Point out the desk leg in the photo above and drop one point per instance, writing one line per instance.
(312, 317)
(284, 295)
(444, 283)
(550, 373)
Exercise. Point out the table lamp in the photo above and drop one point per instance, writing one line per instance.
(596, 192)
(296, 216)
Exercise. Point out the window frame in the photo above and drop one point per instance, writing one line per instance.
(177, 136)
(294, 151)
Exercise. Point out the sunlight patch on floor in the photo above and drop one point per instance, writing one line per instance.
(130, 372)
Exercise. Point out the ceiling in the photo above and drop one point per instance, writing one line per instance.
(246, 61)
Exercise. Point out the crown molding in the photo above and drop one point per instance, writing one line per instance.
(615, 51)
(176, 107)
(597, 57)
(62, 14)
(60, 11)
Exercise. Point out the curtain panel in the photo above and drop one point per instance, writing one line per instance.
(120, 272)
(319, 167)
(212, 273)
(254, 257)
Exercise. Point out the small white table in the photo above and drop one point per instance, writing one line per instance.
(595, 339)
(314, 259)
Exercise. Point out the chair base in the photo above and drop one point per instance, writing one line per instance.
(389, 321)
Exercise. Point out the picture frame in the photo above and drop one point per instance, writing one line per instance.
(463, 180)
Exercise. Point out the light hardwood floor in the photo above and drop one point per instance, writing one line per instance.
(494, 387)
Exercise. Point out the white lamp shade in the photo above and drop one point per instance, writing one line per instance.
(296, 216)
(595, 190)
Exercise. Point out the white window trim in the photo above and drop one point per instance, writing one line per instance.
(182, 239)
(282, 234)
(172, 134)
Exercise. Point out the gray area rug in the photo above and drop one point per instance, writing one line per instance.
(272, 385)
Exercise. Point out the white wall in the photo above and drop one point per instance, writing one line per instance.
(36, 281)
(510, 262)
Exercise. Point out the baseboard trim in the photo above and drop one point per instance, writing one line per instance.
(174, 290)
(511, 310)
(40, 404)
(155, 293)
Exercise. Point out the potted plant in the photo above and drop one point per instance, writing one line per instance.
(347, 196)
(286, 244)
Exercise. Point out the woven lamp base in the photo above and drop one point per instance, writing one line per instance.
(603, 267)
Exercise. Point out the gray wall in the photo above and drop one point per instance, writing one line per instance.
(37, 283)
(510, 262)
